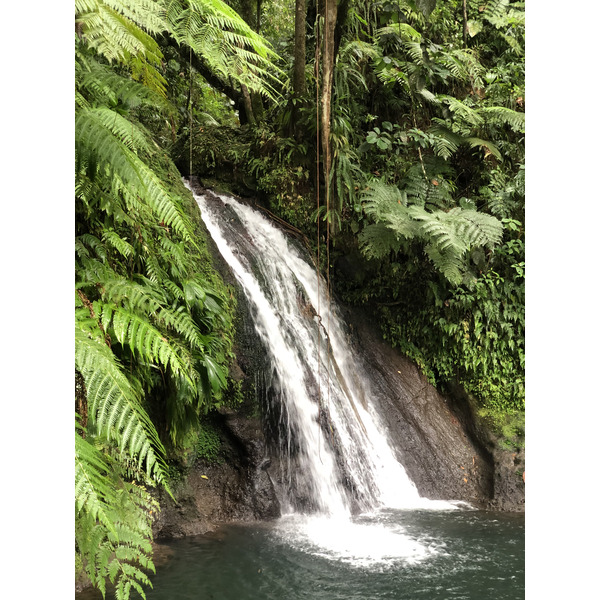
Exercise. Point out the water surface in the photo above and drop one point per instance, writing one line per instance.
(437, 555)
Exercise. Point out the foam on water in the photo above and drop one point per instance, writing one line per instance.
(365, 545)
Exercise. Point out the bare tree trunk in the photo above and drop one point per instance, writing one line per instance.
(299, 81)
(258, 11)
(248, 105)
(465, 20)
(330, 13)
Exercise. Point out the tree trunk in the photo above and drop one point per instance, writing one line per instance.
(465, 23)
(258, 11)
(248, 105)
(330, 13)
(299, 82)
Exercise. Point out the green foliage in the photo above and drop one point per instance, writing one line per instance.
(427, 179)
(114, 404)
(474, 334)
(278, 165)
(448, 236)
(117, 548)
(208, 443)
(226, 42)
(121, 31)
(153, 333)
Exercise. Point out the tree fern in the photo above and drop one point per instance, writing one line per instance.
(114, 406)
(115, 29)
(102, 86)
(447, 236)
(231, 48)
(378, 240)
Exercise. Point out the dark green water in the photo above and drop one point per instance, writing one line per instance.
(432, 555)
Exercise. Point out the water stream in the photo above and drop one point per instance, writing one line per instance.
(335, 458)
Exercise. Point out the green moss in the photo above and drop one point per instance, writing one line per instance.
(208, 444)
(508, 426)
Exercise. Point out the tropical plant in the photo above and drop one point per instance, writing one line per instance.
(448, 236)
(152, 320)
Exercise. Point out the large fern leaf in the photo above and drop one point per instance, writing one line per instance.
(114, 406)
(447, 235)
(231, 48)
(502, 115)
(93, 492)
(98, 139)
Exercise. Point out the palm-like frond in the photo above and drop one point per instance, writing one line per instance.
(114, 405)
(214, 31)
(447, 235)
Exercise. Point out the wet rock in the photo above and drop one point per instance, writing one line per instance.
(234, 489)
(446, 450)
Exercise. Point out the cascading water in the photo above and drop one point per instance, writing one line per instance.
(335, 456)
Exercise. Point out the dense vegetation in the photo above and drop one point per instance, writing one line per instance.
(391, 133)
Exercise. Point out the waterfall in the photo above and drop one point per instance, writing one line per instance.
(335, 455)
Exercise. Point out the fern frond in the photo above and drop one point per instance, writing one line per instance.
(445, 141)
(447, 235)
(468, 114)
(216, 32)
(96, 139)
(414, 50)
(378, 240)
(403, 30)
(502, 115)
(464, 65)
(123, 247)
(487, 145)
(114, 404)
(450, 264)
(143, 338)
(87, 239)
(105, 87)
(120, 553)
(479, 229)
(93, 492)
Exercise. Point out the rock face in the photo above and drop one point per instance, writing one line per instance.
(235, 488)
(507, 465)
(445, 449)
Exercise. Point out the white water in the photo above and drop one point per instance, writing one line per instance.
(311, 356)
